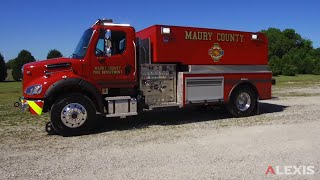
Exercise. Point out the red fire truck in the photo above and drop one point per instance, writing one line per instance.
(117, 72)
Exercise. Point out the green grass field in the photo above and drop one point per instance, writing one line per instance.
(11, 116)
(297, 81)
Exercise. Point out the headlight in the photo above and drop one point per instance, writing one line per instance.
(35, 89)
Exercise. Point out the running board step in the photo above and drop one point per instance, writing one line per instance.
(163, 105)
(122, 115)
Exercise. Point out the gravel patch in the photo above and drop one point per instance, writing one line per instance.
(183, 144)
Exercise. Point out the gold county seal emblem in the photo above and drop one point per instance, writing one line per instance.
(216, 52)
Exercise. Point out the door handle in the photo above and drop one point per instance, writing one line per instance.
(101, 59)
(127, 69)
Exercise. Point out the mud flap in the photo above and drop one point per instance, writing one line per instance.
(256, 110)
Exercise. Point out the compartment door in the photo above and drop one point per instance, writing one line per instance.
(204, 89)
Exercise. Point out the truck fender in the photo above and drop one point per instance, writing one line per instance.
(242, 83)
(81, 84)
(55, 87)
(95, 93)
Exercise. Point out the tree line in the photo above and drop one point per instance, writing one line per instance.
(16, 64)
(289, 54)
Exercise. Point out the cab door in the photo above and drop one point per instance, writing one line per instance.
(112, 62)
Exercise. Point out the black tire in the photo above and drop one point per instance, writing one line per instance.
(237, 111)
(59, 121)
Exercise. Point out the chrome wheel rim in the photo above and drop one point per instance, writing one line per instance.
(243, 101)
(73, 115)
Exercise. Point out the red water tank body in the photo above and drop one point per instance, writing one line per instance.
(201, 46)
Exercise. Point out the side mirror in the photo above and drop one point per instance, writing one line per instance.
(108, 35)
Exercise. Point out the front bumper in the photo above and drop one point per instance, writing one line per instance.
(34, 106)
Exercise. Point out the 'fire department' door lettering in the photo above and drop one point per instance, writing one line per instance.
(108, 70)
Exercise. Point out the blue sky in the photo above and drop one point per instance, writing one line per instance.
(41, 25)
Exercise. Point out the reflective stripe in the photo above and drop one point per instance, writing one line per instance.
(35, 107)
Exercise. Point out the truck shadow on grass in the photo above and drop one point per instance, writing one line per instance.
(175, 117)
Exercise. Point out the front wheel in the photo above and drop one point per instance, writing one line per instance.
(73, 114)
(242, 102)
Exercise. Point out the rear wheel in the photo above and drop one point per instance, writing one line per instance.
(242, 102)
(73, 114)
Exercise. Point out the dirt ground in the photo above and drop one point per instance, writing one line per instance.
(185, 144)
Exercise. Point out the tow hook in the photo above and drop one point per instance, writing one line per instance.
(49, 129)
(17, 104)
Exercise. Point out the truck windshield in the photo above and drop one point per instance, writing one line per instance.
(82, 46)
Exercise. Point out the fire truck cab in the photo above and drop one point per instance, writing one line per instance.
(118, 72)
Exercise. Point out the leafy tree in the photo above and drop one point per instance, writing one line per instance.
(289, 70)
(316, 52)
(23, 57)
(306, 45)
(308, 65)
(316, 69)
(296, 54)
(275, 65)
(3, 69)
(293, 39)
(54, 54)
(286, 59)
(277, 42)
(9, 63)
(296, 61)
